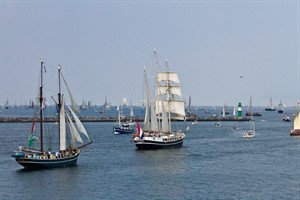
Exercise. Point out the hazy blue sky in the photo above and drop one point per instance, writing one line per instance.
(103, 47)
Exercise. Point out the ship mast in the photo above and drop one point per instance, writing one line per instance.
(59, 102)
(41, 106)
(156, 69)
(168, 95)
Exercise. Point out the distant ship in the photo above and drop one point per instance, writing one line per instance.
(251, 132)
(120, 128)
(280, 107)
(271, 107)
(256, 114)
(6, 104)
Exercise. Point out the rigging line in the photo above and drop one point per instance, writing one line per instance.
(51, 66)
(165, 61)
(50, 79)
(155, 63)
(50, 90)
(298, 51)
(1, 62)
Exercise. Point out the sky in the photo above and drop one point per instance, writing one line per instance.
(225, 51)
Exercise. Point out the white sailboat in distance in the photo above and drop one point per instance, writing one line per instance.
(251, 132)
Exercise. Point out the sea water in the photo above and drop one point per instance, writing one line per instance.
(213, 163)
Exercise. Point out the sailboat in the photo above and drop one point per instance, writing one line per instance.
(6, 104)
(167, 104)
(120, 128)
(224, 112)
(67, 151)
(131, 122)
(234, 112)
(296, 129)
(271, 107)
(280, 107)
(251, 132)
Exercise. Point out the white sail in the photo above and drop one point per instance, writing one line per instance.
(131, 112)
(154, 124)
(74, 131)
(73, 101)
(62, 128)
(79, 125)
(167, 76)
(150, 121)
(72, 139)
(165, 128)
(253, 126)
(174, 107)
(147, 118)
(297, 121)
(234, 112)
(223, 111)
(162, 90)
(147, 125)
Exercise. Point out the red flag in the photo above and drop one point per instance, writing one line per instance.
(140, 130)
(32, 126)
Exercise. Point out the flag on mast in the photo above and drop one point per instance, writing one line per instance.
(140, 130)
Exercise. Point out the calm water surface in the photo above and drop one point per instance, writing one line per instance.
(214, 163)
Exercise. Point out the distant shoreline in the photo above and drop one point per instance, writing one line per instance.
(112, 119)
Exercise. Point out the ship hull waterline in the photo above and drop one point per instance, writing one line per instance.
(118, 131)
(29, 163)
(151, 145)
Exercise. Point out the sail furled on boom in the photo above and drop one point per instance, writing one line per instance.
(147, 125)
(62, 127)
(154, 124)
(165, 128)
(150, 121)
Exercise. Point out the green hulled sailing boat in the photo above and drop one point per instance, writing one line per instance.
(68, 134)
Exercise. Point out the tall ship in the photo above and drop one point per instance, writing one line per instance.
(167, 105)
(296, 126)
(271, 107)
(280, 108)
(68, 134)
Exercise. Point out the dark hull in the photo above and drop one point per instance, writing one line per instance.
(256, 114)
(29, 163)
(150, 145)
(123, 131)
(280, 111)
(295, 132)
(270, 109)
